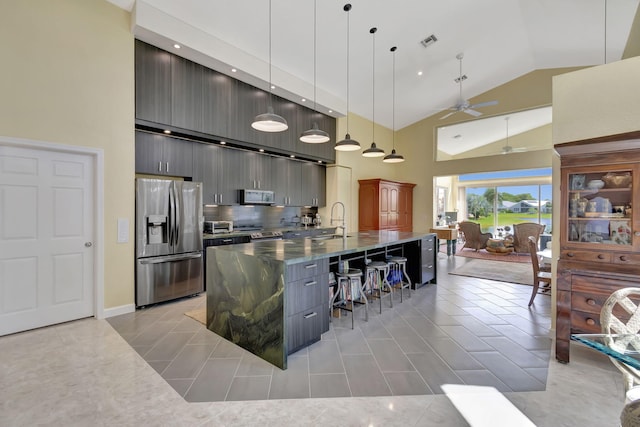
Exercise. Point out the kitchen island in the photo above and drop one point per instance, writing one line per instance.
(272, 297)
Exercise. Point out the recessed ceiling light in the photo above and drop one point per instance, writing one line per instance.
(222, 142)
(233, 70)
(262, 150)
(272, 87)
(292, 156)
(167, 131)
(304, 100)
(331, 111)
(419, 73)
(177, 46)
(320, 161)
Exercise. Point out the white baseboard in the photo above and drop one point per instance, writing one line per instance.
(116, 311)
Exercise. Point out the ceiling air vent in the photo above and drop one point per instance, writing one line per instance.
(429, 41)
(461, 78)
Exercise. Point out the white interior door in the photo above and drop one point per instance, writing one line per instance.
(46, 238)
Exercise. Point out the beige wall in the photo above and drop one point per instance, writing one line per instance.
(67, 77)
(597, 101)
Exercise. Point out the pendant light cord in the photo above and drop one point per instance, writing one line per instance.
(393, 100)
(605, 31)
(373, 91)
(270, 93)
(347, 8)
(315, 36)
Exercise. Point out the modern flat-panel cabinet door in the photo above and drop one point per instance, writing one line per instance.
(161, 155)
(217, 168)
(246, 102)
(313, 185)
(256, 169)
(205, 170)
(186, 94)
(216, 104)
(287, 175)
(153, 83)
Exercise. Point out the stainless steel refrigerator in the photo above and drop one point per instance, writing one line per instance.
(169, 257)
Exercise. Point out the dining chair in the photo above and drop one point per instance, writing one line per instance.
(620, 314)
(538, 276)
(522, 232)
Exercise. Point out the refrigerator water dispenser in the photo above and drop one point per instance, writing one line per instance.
(156, 229)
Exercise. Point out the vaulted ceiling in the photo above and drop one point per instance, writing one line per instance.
(500, 40)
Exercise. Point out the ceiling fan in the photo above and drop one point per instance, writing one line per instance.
(464, 105)
(508, 148)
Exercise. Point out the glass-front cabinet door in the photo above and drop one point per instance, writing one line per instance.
(599, 207)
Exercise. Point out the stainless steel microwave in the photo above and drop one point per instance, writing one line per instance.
(257, 197)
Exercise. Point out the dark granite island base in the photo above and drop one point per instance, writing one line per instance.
(245, 303)
(272, 297)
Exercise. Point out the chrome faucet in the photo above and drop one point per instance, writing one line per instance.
(332, 220)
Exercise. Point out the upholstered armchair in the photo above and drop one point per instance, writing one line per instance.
(521, 233)
(473, 237)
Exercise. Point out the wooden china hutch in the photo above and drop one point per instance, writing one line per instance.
(599, 233)
(385, 205)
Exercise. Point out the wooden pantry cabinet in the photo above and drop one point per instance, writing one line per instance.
(599, 232)
(385, 205)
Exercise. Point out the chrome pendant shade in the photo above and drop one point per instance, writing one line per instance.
(269, 121)
(314, 135)
(394, 157)
(347, 144)
(373, 151)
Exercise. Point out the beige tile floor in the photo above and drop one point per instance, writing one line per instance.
(84, 373)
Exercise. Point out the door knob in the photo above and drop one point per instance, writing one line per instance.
(88, 244)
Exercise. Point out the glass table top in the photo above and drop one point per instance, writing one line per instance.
(622, 347)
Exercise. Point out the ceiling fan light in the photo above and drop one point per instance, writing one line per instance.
(269, 122)
(347, 144)
(373, 151)
(314, 135)
(393, 157)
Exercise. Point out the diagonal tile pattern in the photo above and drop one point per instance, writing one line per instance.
(460, 331)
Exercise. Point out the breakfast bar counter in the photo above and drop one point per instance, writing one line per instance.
(272, 297)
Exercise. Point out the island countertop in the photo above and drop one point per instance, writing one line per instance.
(293, 251)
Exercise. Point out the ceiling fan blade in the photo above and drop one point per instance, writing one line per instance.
(448, 114)
(507, 149)
(472, 112)
(483, 104)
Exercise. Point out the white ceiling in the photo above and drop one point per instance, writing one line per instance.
(500, 39)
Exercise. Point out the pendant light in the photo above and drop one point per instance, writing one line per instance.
(393, 157)
(314, 135)
(347, 144)
(269, 121)
(373, 151)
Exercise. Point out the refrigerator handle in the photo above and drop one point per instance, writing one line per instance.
(178, 209)
(172, 215)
